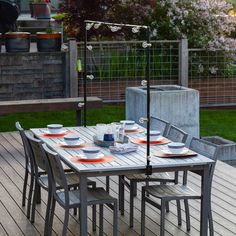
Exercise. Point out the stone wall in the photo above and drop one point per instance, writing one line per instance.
(33, 75)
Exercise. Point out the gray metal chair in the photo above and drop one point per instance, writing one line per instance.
(166, 193)
(70, 198)
(28, 169)
(41, 180)
(130, 181)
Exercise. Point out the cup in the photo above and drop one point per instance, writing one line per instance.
(115, 126)
(101, 130)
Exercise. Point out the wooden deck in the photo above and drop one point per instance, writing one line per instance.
(13, 219)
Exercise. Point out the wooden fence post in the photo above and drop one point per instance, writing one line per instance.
(183, 62)
(73, 80)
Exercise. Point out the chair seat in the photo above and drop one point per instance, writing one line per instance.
(95, 196)
(72, 180)
(143, 177)
(172, 192)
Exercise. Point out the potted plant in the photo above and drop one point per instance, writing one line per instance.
(40, 9)
(48, 41)
(17, 41)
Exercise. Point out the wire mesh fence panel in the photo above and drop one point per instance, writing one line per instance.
(114, 65)
(213, 73)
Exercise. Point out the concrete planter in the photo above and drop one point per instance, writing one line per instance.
(178, 105)
(227, 148)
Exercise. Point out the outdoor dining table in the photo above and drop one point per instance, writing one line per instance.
(122, 164)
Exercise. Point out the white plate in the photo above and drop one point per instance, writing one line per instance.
(61, 132)
(130, 129)
(167, 151)
(99, 156)
(145, 139)
(80, 142)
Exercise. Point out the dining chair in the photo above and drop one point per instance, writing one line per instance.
(29, 170)
(41, 180)
(68, 199)
(130, 181)
(179, 191)
(159, 124)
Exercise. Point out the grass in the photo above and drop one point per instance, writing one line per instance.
(107, 114)
(212, 122)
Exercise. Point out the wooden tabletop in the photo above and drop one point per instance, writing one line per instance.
(122, 162)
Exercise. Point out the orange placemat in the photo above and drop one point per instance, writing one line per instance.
(95, 161)
(165, 155)
(56, 135)
(74, 147)
(135, 131)
(161, 142)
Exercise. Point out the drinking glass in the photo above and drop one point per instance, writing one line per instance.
(101, 130)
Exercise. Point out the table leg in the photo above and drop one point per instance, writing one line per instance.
(83, 207)
(205, 201)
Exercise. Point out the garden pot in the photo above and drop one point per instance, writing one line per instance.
(17, 41)
(41, 10)
(48, 42)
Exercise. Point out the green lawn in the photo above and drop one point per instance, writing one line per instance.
(212, 122)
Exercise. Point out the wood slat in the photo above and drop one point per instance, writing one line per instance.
(13, 220)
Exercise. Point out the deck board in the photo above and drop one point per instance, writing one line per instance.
(13, 219)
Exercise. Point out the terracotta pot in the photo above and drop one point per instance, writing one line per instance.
(41, 10)
(17, 41)
(48, 42)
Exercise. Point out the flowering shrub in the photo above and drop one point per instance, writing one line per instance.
(205, 23)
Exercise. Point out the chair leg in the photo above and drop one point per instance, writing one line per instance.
(135, 189)
(94, 217)
(65, 224)
(188, 225)
(122, 196)
(107, 184)
(47, 217)
(36, 191)
(115, 219)
(143, 209)
(25, 186)
(210, 218)
(179, 212)
(101, 220)
(39, 195)
(30, 195)
(162, 223)
(75, 209)
(51, 216)
(131, 205)
(167, 206)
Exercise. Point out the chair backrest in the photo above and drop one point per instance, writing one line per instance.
(39, 162)
(204, 147)
(159, 124)
(55, 172)
(176, 135)
(207, 149)
(27, 149)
